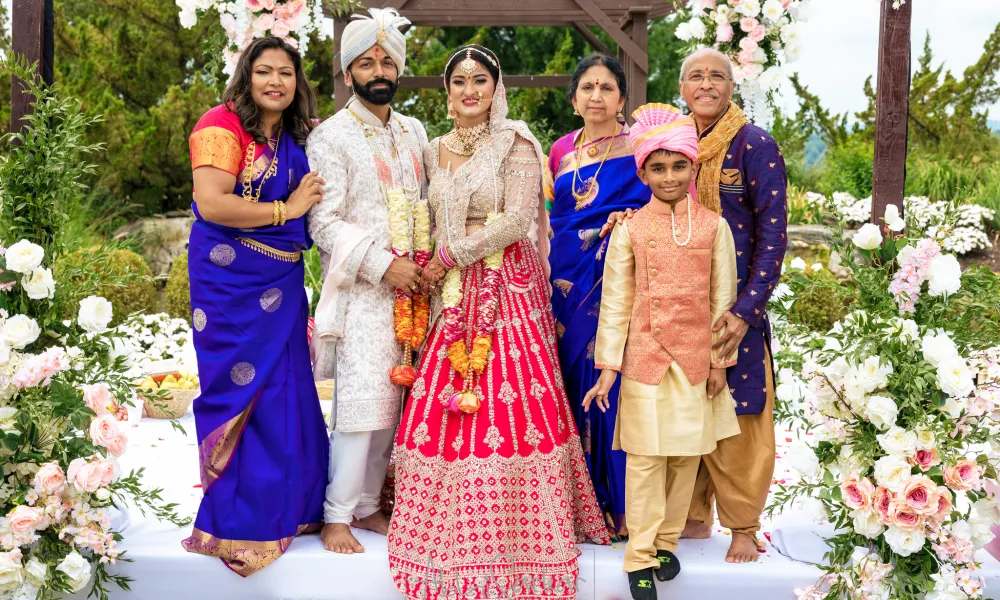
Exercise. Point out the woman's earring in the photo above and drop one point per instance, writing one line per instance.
(452, 113)
(620, 116)
(576, 112)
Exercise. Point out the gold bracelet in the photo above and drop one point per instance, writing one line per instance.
(281, 205)
(276, 216)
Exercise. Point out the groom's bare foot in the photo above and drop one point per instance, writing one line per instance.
(743, 549)
(337, 537)
(377, 522)
(696, 530)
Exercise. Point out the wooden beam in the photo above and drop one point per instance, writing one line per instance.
(32, 30)
(637, 28)
(511, 81)
(588, 35)
(892, 98)
(624, 42)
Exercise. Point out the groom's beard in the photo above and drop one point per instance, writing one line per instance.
(379, 97)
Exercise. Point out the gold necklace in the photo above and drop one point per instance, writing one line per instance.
(583, 194)
(464, 141)
(248, 193)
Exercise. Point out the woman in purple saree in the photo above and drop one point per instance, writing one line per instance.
(263, 447)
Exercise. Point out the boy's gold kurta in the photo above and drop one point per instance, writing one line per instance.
(659, 303)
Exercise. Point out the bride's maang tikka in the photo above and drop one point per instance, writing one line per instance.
(468, 64)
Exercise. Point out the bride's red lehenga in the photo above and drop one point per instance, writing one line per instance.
(492, 504)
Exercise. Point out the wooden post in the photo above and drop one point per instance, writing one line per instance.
(341, 91)
(637, 27)
(32, 29)
(892, 96)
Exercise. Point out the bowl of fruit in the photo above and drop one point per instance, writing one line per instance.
(170, 394)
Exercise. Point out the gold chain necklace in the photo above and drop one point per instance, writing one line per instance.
(464, 141)
(248, 193)
(583, 194)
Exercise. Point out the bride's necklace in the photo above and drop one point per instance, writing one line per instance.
(464, 141)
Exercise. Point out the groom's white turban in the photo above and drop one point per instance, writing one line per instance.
(381, 28)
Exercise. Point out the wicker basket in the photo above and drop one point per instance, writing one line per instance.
(173, 407)
(325, 389)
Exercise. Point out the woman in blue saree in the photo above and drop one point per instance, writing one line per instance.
(262, 442)
(592, 174)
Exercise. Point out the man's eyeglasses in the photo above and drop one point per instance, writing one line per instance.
(713, 78)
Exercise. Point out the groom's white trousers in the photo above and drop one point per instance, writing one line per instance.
(358, 462)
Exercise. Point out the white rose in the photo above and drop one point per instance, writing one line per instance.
(881, 411)
(27, 591)
(874, 374)
(989, 509)
(803, 459)
(791, 34)
(119, 347)
(103, 494)
(188, 17)
(36, 570)
(11, 572)
(77, 570)
(961, 530)
(24, 257)
(953, 408)
(683, 31)
(904, 543)
(8, 419)
(945, 275)
(867, 524)
(892, 218)
(39, 284)
(797, 263)
(980, 532)
(750, 8)
(849, 462)
(955, 377)
(938, 347)
(793, 52)
(898, 442)
(4, 350)
(891, 472)
(697, 28)
(95, 314)
(947, 591)
(722, 14)
(907, 329)
(868, 237)
(773, 10)
(19, 331)
(814, 509)
(925, 439)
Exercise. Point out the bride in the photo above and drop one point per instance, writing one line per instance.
(491, 485)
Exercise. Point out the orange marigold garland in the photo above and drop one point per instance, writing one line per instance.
(411, 314)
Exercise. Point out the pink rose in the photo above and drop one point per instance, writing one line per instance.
(90, 476)
(944, 505)
(104, 430)
(747, 24)
(963, 476)
(857, 494)
(255, 5)
(904, 517)
(117, 447)
(882, 503)
(925, 459)
(745, 57)
(724, 33)
(706, 4)
(280, 28)
(264, 22)
(50, 478)
(919, 494)
(294, 43)
(228, 23)
(23, 520)
(748, 44)
(267, 4)
(295, 7)
(758, 33)
(98, 397)
(281, 12)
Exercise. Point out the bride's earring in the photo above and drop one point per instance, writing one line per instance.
(452, 113)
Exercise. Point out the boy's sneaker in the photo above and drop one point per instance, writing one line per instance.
(640, 583)
(669, 568)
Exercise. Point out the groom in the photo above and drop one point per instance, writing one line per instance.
(364, 152)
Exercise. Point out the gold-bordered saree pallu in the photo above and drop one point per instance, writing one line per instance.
(263, 447)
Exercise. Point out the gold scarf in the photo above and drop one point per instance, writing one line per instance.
(711, 154)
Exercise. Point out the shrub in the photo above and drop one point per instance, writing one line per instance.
(179, 289)
(820, 306)
(849, 167)
(118, 274)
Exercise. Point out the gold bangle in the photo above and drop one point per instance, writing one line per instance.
(277, 213)
(281, 205)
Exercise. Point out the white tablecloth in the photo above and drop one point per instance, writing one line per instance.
(163, 570)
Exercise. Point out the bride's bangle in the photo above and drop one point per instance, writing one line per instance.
(445, 258)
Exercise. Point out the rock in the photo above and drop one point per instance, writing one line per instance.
(839, 271)
(163, 238)
(809, 235)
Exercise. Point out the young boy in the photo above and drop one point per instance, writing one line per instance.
(670, 273)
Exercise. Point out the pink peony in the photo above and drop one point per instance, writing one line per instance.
(90, 476)
(747, 24)
(758, 34)
(919, 494)
(23, 520)
(925, 459)
(904, 517)
(50, 478)
(117, 446)
(882, 503)
(963, 476)
(724, 33)
(104, 429)
(264, 22)
(98, 397)
(857, 494)
(280, 28)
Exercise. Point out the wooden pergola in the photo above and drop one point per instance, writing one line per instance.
(625, 22)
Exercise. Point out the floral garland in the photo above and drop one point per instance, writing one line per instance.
(411, 314)
(245, 20)
(758, 37)
(471, 364)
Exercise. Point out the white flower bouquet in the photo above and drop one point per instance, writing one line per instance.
(903, 401)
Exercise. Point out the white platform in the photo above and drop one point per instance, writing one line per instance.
(163, 570)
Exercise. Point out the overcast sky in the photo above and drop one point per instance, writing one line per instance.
(841, 43)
